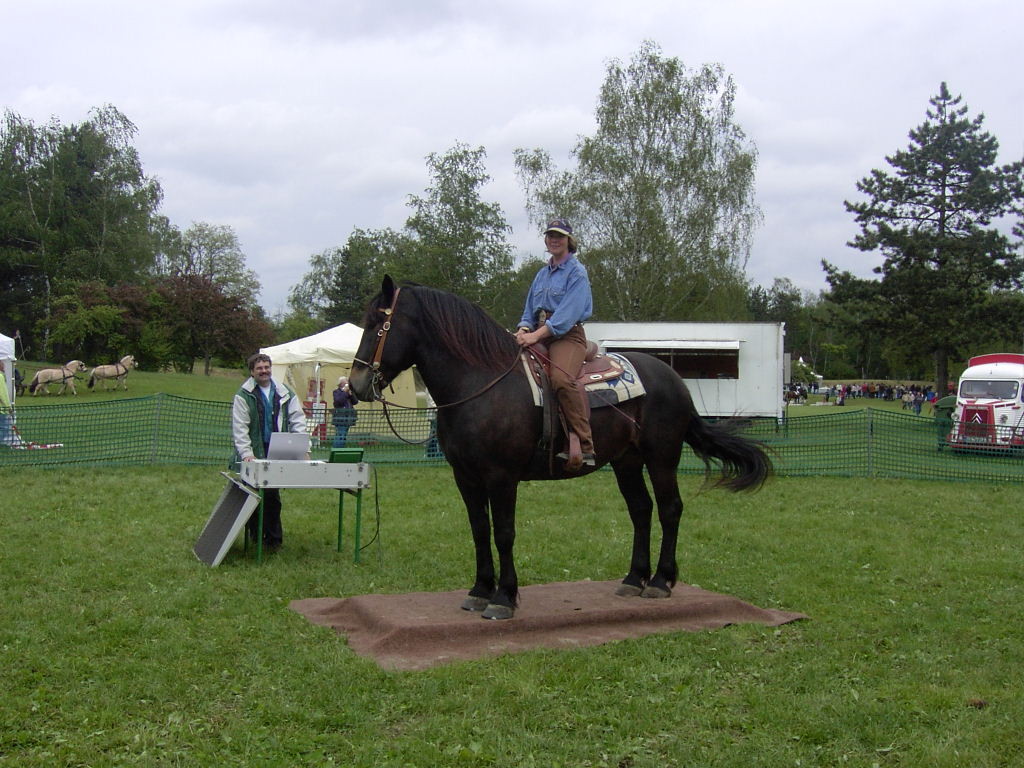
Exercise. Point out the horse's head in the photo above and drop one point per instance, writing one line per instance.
(76, 366)
(427, 327)
(128, 361)
(389, 339)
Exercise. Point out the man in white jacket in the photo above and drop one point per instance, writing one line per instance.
(263, 405)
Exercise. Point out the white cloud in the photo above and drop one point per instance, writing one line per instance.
(295, 123)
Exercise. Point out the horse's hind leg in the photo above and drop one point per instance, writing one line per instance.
(630, 478)
(670, 512)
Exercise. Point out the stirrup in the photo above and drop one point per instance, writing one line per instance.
(588, 459)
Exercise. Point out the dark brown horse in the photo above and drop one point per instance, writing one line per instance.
(489, 428)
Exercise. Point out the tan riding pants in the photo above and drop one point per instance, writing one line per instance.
(567, 354)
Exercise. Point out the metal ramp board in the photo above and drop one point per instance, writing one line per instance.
(230, 514)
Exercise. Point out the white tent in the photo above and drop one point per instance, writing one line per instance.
(7, 355)
(312, 365)
(334, 346)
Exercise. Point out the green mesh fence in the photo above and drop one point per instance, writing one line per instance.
(165, 429)
(159, 429)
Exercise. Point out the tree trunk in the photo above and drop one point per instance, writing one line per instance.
(47, 317)
(941, 372)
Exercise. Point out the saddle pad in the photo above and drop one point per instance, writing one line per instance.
(624, 387)
(600, 393)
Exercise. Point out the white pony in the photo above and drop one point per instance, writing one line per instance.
(118, 372)
(66, 376)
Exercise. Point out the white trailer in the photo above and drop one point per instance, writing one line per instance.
(731, 369)
(989, 411)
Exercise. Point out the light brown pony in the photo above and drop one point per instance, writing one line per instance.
(66, 376)
(118, 372)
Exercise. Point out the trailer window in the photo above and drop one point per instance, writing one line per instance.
(695, 363)
(992, 390)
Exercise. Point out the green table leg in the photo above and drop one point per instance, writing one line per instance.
(359, 520)
(341, 514)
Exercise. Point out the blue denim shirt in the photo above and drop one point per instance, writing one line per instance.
(564, 291)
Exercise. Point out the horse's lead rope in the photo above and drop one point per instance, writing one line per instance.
(385, 402)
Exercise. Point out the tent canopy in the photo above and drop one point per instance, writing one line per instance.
(312, 365)
(6, 348)
(335, 346)
(7, 355)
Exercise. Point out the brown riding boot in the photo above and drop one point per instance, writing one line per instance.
(575, 416)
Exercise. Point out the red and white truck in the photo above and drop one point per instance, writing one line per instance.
(989, 413)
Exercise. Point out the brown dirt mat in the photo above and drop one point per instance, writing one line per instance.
(424, 629)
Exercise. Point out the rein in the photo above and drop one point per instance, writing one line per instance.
(387, 415)
(378, 377)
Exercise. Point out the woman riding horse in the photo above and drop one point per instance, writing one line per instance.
(489, 430)
(558, 303)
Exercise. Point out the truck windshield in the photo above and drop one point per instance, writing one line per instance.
(993, 390)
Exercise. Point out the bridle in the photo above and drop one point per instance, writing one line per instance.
(376, 377)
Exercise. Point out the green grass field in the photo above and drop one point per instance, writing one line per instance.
(120, 648)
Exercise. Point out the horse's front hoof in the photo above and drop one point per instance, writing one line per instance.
(656, 592)
(475, 604)
(628, 590)
(499, 612)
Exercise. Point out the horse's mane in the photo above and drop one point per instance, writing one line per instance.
(459, 325)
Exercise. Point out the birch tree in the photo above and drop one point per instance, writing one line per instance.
(661, 195)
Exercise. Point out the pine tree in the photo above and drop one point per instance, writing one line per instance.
(938, 220)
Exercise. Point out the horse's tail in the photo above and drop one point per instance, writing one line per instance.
(33, 384)
(745, 463)
(92, 378)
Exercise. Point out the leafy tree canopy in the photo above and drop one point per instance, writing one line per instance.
(75, 205)
(453, 240)
(339, 281)
(211, 251)
(662, 195)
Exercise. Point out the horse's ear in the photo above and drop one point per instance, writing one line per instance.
(387, 289)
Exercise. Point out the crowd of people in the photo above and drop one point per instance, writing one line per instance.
(912, 396)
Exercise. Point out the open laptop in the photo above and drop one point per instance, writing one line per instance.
(288, 446)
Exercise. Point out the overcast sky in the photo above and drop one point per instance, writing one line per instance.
(296, 122)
